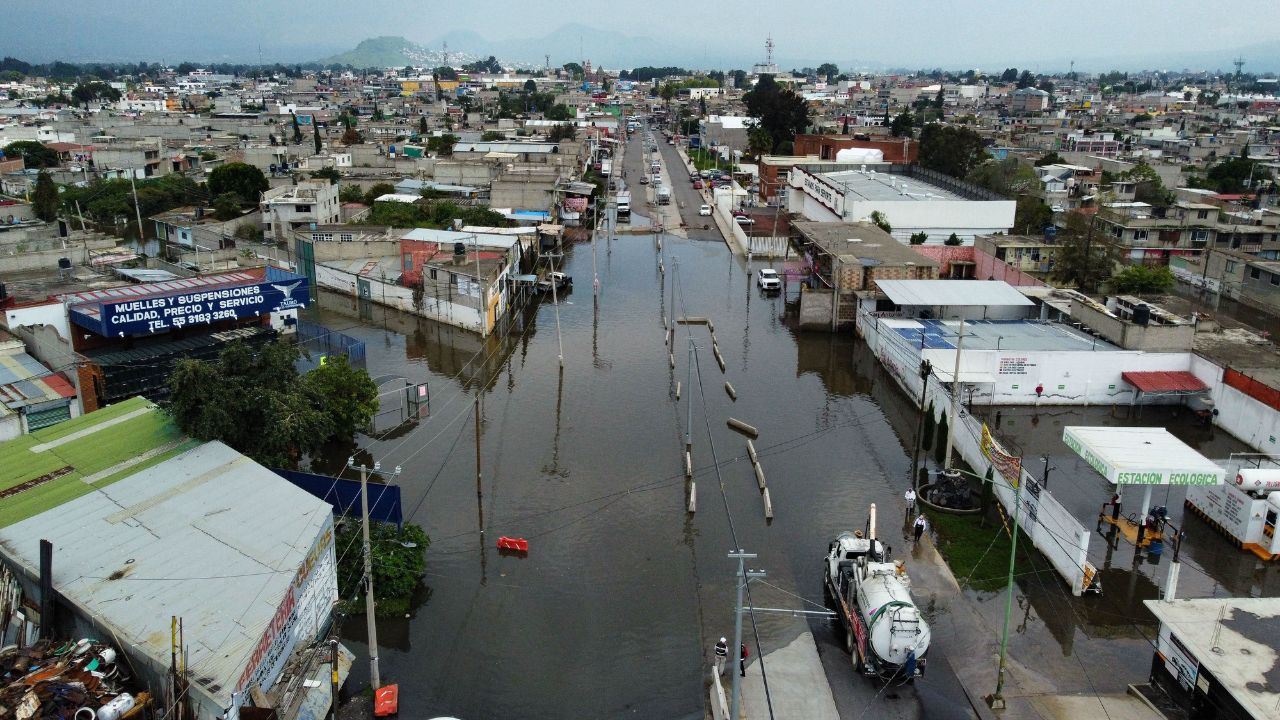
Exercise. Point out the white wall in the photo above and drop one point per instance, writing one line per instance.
(1251, 421)
(53, 313)
(400, 298)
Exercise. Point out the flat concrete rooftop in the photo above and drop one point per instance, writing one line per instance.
(882, 187)
(1018, 335)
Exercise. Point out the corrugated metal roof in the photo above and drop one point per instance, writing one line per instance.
(90, 303)
(952, 293)
(209, 536)
(1158, 381)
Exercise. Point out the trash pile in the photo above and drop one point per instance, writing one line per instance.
(75, 680)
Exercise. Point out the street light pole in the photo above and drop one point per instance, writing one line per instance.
(997, 698)
(955, 398)
(741, 581)
(375, 677)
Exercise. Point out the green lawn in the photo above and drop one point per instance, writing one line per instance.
(979, 556)
(704, 160)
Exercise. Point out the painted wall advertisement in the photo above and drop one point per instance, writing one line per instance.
(1009, 466)
(166, 312)
(306, 605)
(1177, 660)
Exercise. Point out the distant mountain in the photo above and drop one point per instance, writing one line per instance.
(392, 51)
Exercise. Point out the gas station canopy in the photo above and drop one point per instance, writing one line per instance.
(1141, 456)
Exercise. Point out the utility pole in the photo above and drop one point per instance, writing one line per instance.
(375, 677)
(595, 273)
(688, 383)
(996, 701)
(555, 301)
(926, 369)
(333, 679)
(1044, 477)
(136, 207)
(743, 577)
(955, 399)
(482, 304)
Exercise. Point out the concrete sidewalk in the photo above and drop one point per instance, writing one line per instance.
(797, 685)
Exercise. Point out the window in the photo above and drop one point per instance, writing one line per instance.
(302, 208)
(1255, 273)
(1202, 214)
(453, 278)
(346, 237)
(322, 237)
(1139, 234)
(1199, 235)
(1275, 279)
(1231, 266)
(1117, 231)
(408, 262)
(433, 273)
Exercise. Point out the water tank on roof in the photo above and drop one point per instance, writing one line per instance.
(1142, 314)
(64, 263)
(859, 155)
(459, 249)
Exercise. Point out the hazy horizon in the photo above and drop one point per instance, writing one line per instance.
(926, 34)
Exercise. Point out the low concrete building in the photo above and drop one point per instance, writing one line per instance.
(1027, 253)
(900, 151)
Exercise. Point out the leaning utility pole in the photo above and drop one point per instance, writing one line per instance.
(375, 677)
(136, 207)
(955, 399)
(741, 580)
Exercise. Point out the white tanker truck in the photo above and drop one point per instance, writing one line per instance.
(884, 630)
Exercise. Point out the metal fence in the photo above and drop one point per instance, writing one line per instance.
(319, 342)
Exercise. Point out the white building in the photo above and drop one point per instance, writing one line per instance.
(911, 199)
(286, 209)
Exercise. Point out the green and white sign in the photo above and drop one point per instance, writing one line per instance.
(1141, 456)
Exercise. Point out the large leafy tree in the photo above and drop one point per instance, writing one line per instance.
(827, 71)
(950, 149)
(258, 404)
(33, 154)
(242, 179)
(1084, 257)
(1142, 279)
(45, 202)
(781, 112)
(1008, 177)
(903, 124)
(87, 92)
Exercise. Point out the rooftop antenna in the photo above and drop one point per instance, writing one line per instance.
(1239, 63)
(548, 62)
(446, 53)
(768, 50)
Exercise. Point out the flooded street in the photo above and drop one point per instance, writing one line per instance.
(616, 607)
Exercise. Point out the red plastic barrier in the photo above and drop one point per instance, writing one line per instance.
(386, 701)
(517, 544)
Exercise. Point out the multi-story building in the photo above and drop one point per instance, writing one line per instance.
(1028, 100)
(1100, 144)
(1150, 235)
(1028, 253)
(902, 151)
(285, 209)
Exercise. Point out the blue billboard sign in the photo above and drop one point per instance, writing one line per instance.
(160, 313)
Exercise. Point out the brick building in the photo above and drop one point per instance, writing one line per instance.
(899, 151)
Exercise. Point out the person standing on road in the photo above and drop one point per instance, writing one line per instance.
(742, 659)
(920, 525)
(722, 655)
(910, 497)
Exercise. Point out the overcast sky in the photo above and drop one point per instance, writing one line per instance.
(1037, 34)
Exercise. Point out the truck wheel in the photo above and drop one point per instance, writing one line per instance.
(850, 646)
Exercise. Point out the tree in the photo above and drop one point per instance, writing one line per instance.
(1032, 215)
(422, 125)
(919, 238)
(327, 173)
(34, 154)
(530, 86)
(488, 65)
(398, 563)
(827, 71)
(1009, 75)
(351, 194)
(953, 239)
(1026, 79)
(233, 398)
(902, 125)
(940, 449)
(563, 132)
(950, 149)
(779, 111)
(1083, 257)
(1008, 177)
(1142, 279)
(939, 99)
(879, 220)
(297, 129)
(759, 141)
(491, 136)
(442, 145)
(444, 72)
(930, 421)
(345, 394)
(1233, 174)
(87, 92)
(377, 190)
(315, 134)
(242, 179)
(667, 92)
(45, 202)
(574, 70)
(559, 112)
(1149, 188)
(1049, 158)
(226, 206)
(351, 136)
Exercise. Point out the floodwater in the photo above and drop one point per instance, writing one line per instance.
(623, 593)
(615, 608)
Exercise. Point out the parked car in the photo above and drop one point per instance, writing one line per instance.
(767, 279)
(644, 179)
(704, 210)
(744, 220)
(697, 184)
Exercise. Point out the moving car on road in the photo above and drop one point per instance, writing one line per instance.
(766, 278)
(704, 210)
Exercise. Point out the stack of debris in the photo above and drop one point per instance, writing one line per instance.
(79, 680)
